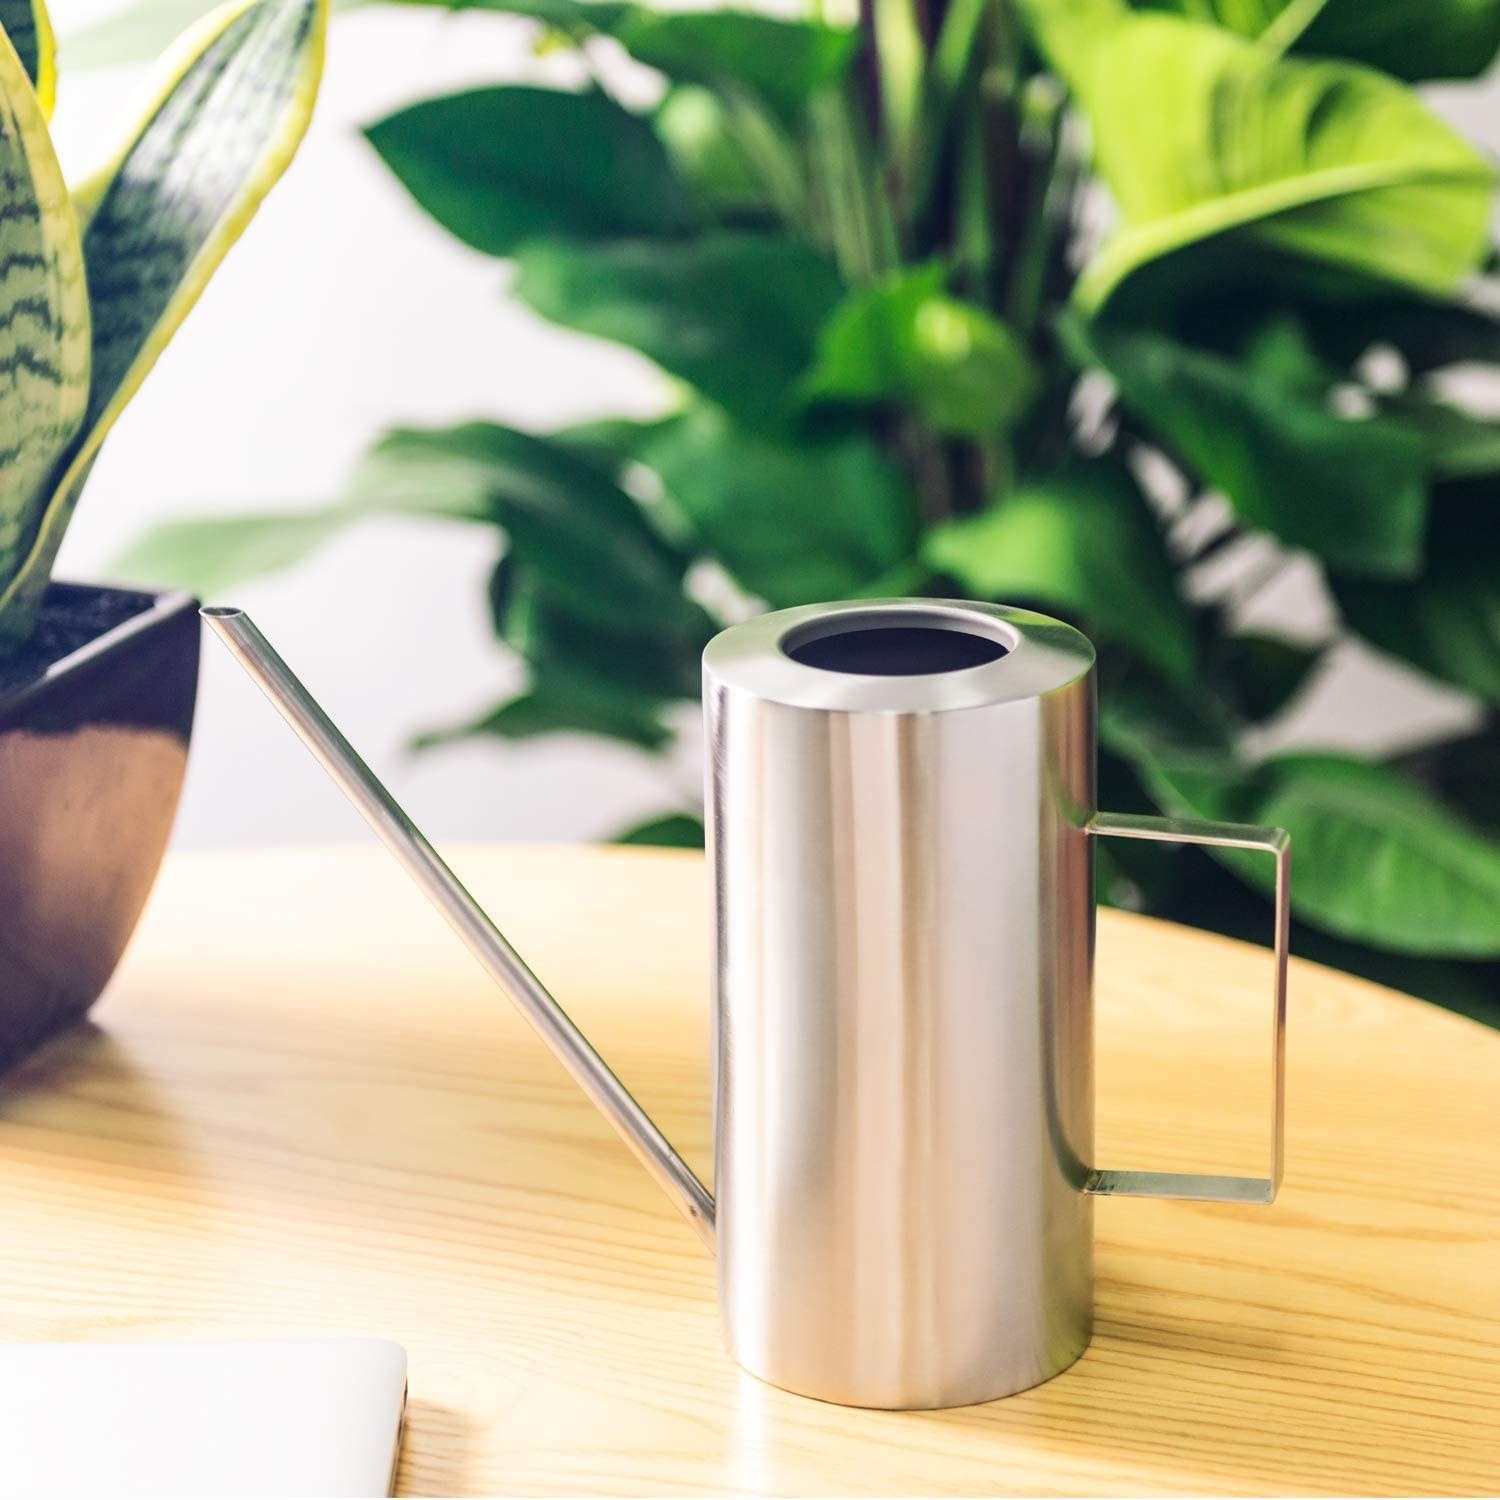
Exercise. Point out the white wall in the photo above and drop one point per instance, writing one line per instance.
(344, 310)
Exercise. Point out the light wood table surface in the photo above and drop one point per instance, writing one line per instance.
(302, 1110)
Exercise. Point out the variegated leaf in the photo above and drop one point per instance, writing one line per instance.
(238, 94)
(44, 315)
(27, 25)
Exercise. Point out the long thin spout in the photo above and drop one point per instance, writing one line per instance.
(464, 914)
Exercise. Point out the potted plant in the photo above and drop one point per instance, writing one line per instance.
(97, 684)
(1115, 309)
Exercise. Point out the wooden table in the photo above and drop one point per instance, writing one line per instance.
(304, 1111)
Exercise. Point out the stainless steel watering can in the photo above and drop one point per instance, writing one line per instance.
(900, 809)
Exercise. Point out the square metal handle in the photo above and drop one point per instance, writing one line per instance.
(1274, 841)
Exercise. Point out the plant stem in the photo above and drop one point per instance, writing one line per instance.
(860, 229)
(1038, 214)
(1283, 32)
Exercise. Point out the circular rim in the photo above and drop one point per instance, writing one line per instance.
(1042, 655)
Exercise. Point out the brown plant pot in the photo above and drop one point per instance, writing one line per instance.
(95, 716)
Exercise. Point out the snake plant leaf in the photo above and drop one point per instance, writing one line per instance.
(1082, 541)
(794, 520)
(237, 97)
(781, 60)
(1447, 622)
(29, 28)
(905, 339)
(1287, 463)
(734, 314)
(1377, 859)
(1201, 134)
(499, 167)
(1436, 39)
(44, 321)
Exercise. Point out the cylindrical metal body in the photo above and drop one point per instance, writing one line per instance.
(904, 907)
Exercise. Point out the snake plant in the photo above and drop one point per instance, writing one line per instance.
(94, 282)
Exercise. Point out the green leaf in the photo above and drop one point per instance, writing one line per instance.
(906, 340)
(735, 315)
(700, 136)
(581, 534)
(793, 522)
(1265, 673)
(562, 707)
(1464, 773)
(575, 526)
(1459, 444)
(499, 167)
(783, 61)
(1435, 39)
(236, 99)
(410, 471)
(1447, 622)
(209, 557)
(670, 831)
(1082, 541)
(659, 660)
(1352, 491)
(29, 28)
(1376, 859)
(44, 324)
(1200, 133)
(1429, 335)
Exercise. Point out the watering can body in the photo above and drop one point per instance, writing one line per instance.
(901, 843)
(900, 811)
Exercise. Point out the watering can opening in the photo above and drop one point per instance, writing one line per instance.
(896, 643)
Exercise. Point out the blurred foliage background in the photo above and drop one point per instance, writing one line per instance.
(1114, 310)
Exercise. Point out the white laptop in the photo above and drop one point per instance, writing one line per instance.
(313, 1418)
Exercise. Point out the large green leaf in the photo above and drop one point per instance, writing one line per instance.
(551, 707)
(236, 100)
(784, 61)
(1200, 133)
(907, 340)
(655, 659)
(577, 530)
(29, 28)
(1352, 491)
(793, 522)
(1430, 39)
(501, 166)
(1447, 622)
(1376, 859)
(1082, 541)
(44, 323)
(610, 679)
(410, 471)
(734, 314)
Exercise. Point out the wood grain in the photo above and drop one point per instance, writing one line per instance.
(303, 1110)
